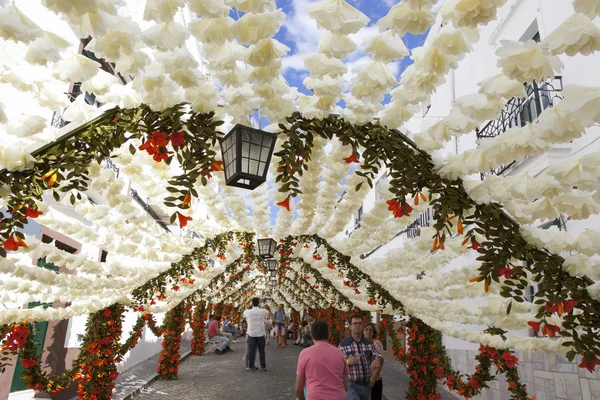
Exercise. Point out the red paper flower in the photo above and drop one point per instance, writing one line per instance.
(285, 203)
(589, 365)
(352, 159)
(28, 363)
(217, 166)
(183, 220)
(31, 213)
(159, 139)
(13, 243)
(177, 138)
(534, 325)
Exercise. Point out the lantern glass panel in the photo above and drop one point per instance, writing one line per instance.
(266, 247)
(246, 156)
(273, 274)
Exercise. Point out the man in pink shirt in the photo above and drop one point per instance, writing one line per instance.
(321, 368)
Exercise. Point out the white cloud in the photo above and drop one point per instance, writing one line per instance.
(302, 30)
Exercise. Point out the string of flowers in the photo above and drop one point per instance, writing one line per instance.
(198, 323)
(174, 325)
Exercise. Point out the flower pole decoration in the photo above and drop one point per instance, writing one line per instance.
(174, 325)
(487, 229)
(12, 338)
(295, 317)
(199, 317)
(101, 353)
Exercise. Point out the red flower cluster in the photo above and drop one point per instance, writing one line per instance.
(13, 243)
(157, 145)
(15, 339)
(174, 325)
(399, 209)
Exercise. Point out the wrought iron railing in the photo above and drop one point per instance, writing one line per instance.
(108, 164)
(522, 111)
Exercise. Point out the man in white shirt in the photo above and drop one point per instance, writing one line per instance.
(255, 318)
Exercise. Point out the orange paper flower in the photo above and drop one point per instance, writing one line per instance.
(285, 203)
(352, 159)
(183, 220)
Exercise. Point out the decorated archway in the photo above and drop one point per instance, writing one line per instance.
(162, 131)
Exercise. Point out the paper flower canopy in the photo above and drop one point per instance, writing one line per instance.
(337, 16)
(15, 26)
(403, 18)
(479, 107)
(526, 62)
(385, 47)
(501, 86)
(117, 41)
(71, 8)
(335, 44)
(577, 35)
(455, 42)
(251, 27)
(132, 64)
(212, 30)
(324, 86)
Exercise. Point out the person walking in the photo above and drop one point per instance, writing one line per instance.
(370, 333)
(321, 368)
(214, 333)
(256, 335)
(268, 323)
(279, 319)
(363, 360)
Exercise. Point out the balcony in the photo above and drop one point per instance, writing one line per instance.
(522, 111)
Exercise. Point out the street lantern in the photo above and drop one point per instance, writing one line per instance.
(271, 265)
(266, 247)
(246, 156)
(273, 282)
(273, 274)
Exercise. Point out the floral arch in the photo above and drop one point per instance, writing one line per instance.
(162, 129)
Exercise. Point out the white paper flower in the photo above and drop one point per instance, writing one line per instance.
(318, 64)
(165, 36)
(421, 80)
(578, 204)
(479, 107)
(337, 16)
(252, 6)
(212, 30)
(526, 62)
(453, 41)
(100, 83)
(70, 7)
(187, 78)
(577, 35)
(557, 125)
(132, 64)
(49, 97)
(3, 117)
(542, 209)
(385, 47)
(403, 18)
(161, 10)
(46, 49)
(401, 95)
(324, 86)
(470, 13)
(202, 98)
(501, 86)
(224, 57)
(235, 77)
(266, 73)
(209, 8)
(583, 102)
(372, 79)
(93, 23)
(591, 8)
(15, 159)
(335, 44)
(251, 28)
(117, 42)
(15, 26)
(394, 115)
(26, 125)
(75, 68)
(568, 171)
(265, 52)
(79, 111)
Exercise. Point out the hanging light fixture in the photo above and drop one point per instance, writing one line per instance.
(273, 282)
(273, 274)
(271, 265)
(246, 156)
(266, 247)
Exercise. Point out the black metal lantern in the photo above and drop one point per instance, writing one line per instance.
(246, 156)
(271, 265)
(273, 282)
(273, 274)
(266, 247)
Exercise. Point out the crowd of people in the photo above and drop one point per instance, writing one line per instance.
(350, 372)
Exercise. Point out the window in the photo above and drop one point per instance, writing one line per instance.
(103, 256)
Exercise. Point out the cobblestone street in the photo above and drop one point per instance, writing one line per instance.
(220, 377)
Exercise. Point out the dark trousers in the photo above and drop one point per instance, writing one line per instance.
(377, 390)
(253, 343)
